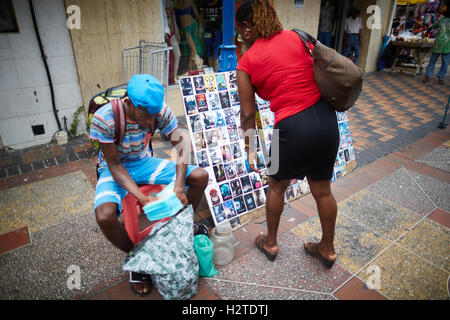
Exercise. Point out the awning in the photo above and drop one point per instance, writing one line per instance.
(405, 2)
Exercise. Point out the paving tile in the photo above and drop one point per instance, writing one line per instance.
(40, 270)
(400, 188)
(355, 245)
(45, 203)
(355, 289)
(293, 269)
(438, 191)
(429, 240)
(438, 158)
(243, 291)
(14, 239)
(441, 217)
(405, 276)
(386, 219)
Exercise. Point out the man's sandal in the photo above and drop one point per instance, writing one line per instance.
(259, 242)
(143, 279)
(311, 249)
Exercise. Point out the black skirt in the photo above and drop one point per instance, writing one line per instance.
(308, 144)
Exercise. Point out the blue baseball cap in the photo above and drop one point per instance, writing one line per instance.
(146, 91)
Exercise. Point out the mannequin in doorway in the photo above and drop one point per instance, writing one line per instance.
(187, 15)
(172, 37)
(326, 23)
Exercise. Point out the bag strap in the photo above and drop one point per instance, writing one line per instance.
(119, 120)
(306, 37)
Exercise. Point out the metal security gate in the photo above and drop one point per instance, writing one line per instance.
(147, 58)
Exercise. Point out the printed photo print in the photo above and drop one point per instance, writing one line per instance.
(254, 179)
(260, 197)
(213, 195)
(211, 138)
(216, 156)
(199, 141)
(202, 105)
(230, 211)
(219, 213)
(202, 159)
(234, 98)
(227, 156)
(239, 205)
(236, 149)
(222, 135)
(224, 100)
(250, 201)
(230, 171)
(233, 133)
(210, 82)
(225, 191)
(264, 178)
(208, 121)
(236, 188)
(219, 173)
(240, 168)
(213, 100)
(186, 86)
(190, 105)
(229, 117)
(232, 80)
(196, 123)
(221, 82)
(246, 184)
(219, 118)
(199, 85)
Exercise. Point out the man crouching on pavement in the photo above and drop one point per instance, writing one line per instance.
(122, 166)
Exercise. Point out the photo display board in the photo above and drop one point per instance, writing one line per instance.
(212, 109)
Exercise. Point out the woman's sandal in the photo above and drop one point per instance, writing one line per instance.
(140, 278)
(200, 228)
(314, 252)
(259, 242)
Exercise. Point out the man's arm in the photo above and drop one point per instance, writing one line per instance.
(120, 174)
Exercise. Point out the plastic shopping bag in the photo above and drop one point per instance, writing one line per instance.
(167, 255)
(204, 249)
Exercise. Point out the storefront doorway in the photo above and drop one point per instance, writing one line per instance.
(332, 22)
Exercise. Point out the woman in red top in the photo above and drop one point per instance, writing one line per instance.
(278, 68)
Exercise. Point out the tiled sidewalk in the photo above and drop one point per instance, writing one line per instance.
(393, 219)
(47, 224)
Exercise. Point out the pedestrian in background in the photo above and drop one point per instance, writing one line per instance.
(279, 69)
(441, 45)
(352, 34)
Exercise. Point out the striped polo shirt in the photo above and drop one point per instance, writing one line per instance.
(133, 146)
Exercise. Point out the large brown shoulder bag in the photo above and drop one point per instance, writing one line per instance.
(337, 77)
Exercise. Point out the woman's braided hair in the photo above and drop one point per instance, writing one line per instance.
(262, 15)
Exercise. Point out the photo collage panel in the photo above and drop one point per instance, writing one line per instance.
(265, 120)
(212, 109)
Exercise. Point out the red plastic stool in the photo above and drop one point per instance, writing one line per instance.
(130, 214)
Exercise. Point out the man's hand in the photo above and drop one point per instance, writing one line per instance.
(147, 200)
(181, 196)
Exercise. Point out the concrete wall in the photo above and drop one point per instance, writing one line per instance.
(108, 27)
(24, 88)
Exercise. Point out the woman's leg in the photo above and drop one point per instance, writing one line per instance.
(176, 55)
(274, 208)
(192, 48)
(327, 209)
